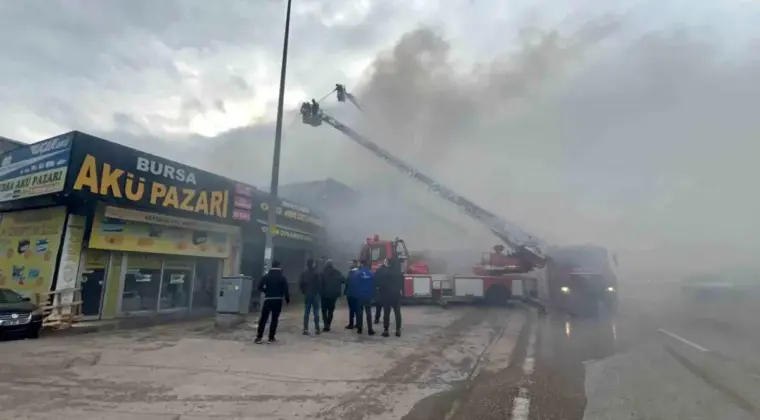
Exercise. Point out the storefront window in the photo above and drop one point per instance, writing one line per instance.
(176, 282)
(142, 283)
(204, 290)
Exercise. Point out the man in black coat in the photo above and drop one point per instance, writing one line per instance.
(332, 283)
(382, 275)
(274, 285)
(310, 285)
(390, 284)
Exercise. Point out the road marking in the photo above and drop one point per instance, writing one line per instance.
(521, 407)
(521, 403)
(683, 340)
(530, 360)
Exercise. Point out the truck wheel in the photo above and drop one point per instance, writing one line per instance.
(497, 295)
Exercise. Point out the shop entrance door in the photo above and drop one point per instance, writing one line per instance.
(93, 281)
(92, 291)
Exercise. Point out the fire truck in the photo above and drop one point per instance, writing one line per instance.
(494, 279)
(582, 279)
(497, 277)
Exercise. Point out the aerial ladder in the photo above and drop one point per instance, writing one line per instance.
(523, 246)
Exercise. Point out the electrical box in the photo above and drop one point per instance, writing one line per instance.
(234, 294)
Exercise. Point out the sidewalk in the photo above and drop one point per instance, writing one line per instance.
(147, 321)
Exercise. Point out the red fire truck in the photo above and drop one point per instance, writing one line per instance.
(582, 279)
(495, 279)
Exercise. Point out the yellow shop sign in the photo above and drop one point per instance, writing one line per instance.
(129, 235)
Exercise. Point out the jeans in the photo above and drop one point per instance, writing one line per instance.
(311, 303)
(351, 310)
(363, 306)
(273, 307)
(328, 309)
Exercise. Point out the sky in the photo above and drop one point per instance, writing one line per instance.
(626, 123)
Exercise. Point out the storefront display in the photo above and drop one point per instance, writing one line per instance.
(29, 243)
(142, 283)
(176, 282)
(207, 271)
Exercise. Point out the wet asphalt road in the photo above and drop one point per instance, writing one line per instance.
(661, 357)
(665, 358)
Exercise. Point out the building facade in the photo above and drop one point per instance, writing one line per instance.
(134, 233)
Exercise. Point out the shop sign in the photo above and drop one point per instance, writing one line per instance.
(289, 212)
(34, 170)
(242, 202)
(290, 234)
(112, 212)
(129, 176)
(29, 243)
(133, 236)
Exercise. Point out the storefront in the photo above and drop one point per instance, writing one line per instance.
(139, 262)
(129, 232)
(299, 231)
(31, 223)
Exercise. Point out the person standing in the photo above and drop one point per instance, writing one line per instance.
(350, 297)
(332, 282)
(274, 286)
(310, 284)
(363, 288)
(390, 291)
(378, 306)
(382, 275)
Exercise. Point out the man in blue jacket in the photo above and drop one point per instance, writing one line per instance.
(350, 298)
(362, 285)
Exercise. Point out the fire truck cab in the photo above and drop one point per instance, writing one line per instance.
(582, 280)
(419, 282)
(376, 250)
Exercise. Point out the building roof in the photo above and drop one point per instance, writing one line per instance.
(7, 144)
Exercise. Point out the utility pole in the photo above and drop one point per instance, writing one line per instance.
(272, 212)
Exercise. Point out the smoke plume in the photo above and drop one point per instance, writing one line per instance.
(634, 142)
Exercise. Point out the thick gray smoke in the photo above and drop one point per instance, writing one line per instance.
(640, 141)
(416, 91)
(643, 144)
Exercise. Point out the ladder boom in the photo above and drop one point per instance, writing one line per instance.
(510, 234)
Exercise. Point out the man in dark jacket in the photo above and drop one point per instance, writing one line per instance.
(350, 297)
(332, 283)
(382, 275)
(274, 286)
(363, 288)
(390, 290)
(310, 283)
